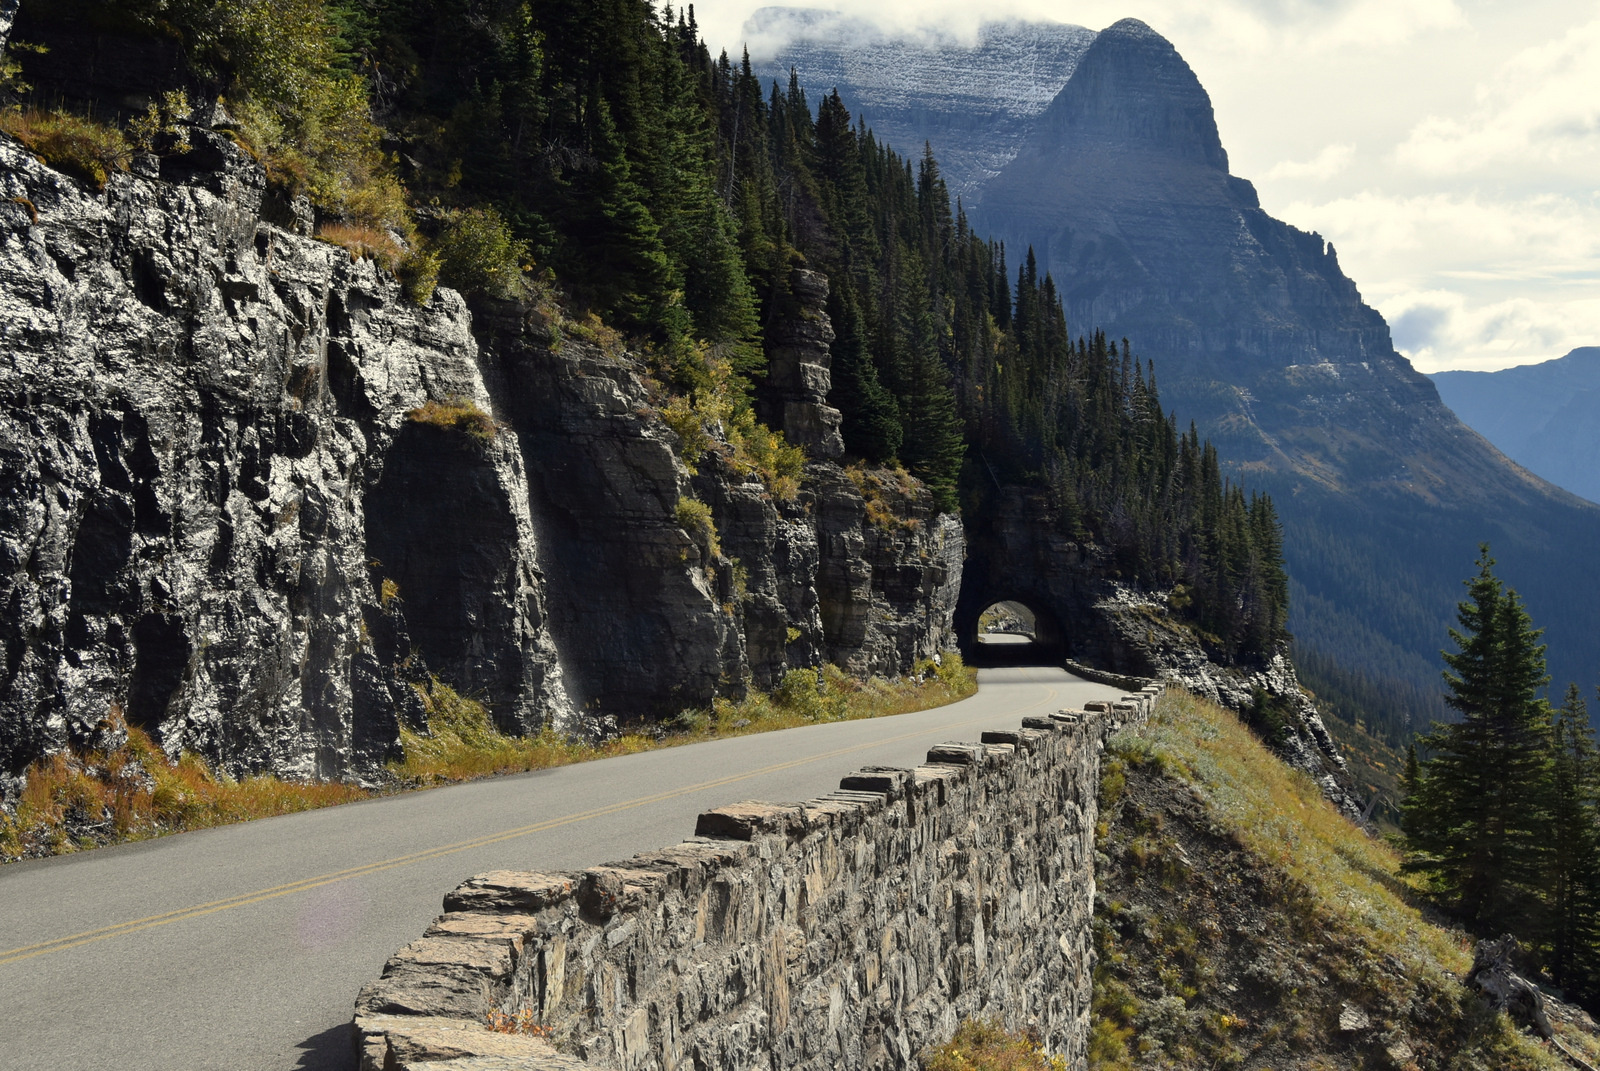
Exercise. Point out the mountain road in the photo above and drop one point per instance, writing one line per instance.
(244, 947)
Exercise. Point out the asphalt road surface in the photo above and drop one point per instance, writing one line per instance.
(243, 948)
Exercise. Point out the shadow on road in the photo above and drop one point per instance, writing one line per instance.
(332, 1050)
(1011, 650)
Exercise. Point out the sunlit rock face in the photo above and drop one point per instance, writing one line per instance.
(218, 520)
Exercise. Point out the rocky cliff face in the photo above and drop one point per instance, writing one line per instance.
(209, 474)
(975, 101)
(1121, 185)
(227, 515)
(1082, 613)
(651, 618)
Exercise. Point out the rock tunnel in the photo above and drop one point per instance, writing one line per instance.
(1017, 557)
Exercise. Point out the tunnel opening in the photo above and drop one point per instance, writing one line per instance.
(1012, 632)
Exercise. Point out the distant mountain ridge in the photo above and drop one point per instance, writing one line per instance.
(1121, 185)
(1545, 417)
(966, 97)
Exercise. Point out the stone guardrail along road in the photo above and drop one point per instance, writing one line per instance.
(242, 948)
(850, 931)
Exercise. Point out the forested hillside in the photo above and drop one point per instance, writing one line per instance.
(600, 145)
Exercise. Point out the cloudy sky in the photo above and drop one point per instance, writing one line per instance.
(1450, 149)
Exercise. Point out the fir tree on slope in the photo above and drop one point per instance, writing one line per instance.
(1480, 820)
(1503, 816)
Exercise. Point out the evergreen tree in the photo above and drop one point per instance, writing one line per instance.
(1574, 884)
(1479, 824)
(871, 425)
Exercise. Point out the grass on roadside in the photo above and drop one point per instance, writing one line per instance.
(135, 791)
(1240, 917)
(462, 743)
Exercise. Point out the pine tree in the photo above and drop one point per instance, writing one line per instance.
(1574, 885)
(871, 418)
(1480, 824)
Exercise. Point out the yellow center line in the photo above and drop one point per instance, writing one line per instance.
(120, 929)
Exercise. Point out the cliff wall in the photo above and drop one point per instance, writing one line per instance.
(227, 517)
(196, 411)
(848, 931)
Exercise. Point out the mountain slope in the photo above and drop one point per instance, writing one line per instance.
(1122, 187)
(1241, 922)
(976, 102)
(1546, 417)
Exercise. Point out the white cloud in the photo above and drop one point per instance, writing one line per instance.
(1470, 281)
(1321, 167)
(1444, 329)
(1542, 104)
(1249, 26)
(1459, 185)
(1547, 236)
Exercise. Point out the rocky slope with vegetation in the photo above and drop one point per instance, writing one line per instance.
(1122, 188)
(254, 491)
(1241, 922)
(649, 455)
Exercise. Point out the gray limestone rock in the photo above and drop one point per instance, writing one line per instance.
(228, 518)
(975, 99)
(209, 473)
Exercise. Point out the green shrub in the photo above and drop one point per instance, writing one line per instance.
(419, 275)
(479, 256)
(716, 416)
(694, 517)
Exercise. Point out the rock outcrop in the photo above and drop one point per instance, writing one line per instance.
(8, 15)
(1256, 333)
(849, 931)
(201, 418)
(1121, 186)
(651, 618)
(249, 493)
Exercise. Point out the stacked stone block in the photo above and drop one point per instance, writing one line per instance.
(848, 931)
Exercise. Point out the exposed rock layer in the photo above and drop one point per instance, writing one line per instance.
(1082, 613)
(1121, 185)
(222, 518)
(849, 931)
(975, 100)
(197, 409)
(1123, 189)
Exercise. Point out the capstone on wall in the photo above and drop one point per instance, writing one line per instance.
(849, 931)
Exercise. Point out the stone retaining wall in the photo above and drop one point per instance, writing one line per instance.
(1102, 676)
(849, 931)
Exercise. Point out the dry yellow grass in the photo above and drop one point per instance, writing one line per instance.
(134, 791)
(1281, 816)
(82, 147)
(1240, 909)
(364, 242)
(985, 1045)
(457, 414)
